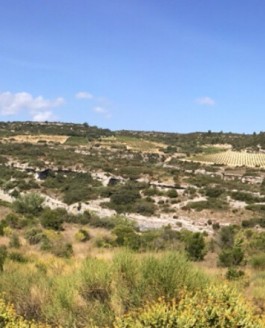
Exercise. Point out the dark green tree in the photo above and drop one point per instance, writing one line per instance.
(195, 246)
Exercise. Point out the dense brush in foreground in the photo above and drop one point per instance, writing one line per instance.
(218, 307)
(131, 290)
(215, 307)
(10, 319)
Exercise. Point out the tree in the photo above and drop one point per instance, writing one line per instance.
(195, 246)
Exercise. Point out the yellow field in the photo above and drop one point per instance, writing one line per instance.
(37, 138)
(132, 143)
(233, 158)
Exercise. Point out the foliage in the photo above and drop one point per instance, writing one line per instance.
(75, 186)
(14, 241)
(126, 235)
(233, 274)
(211, 204)
(214, 192)
(17, 256)
(34, 236)
(231, 257)
(214, 307)
(3, 256)
(195, 246)
(226, 236)
(82, 235)
(52, 219)
(28, 204)
(10, 319)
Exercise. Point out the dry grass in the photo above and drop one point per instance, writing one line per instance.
(37, 138)
(4, 211)
(135, 144)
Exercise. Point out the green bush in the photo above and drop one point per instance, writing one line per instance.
(126, 235)
(28, 204)
(35, 236)
(52, 219)
(143, 207)
(253, 222)
(246, 197)
(125, 196)
(17, 257)
(226, 236)
(172, 193)
(213, 192)
(231, 257)
(82, 235)
(233, 274)
(195, 246)
(14, 221)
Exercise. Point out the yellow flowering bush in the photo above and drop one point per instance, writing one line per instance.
(220, 307)
(9, 318)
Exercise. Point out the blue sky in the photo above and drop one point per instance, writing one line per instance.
(164, 65)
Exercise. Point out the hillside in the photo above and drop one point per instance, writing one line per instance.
(91, 218)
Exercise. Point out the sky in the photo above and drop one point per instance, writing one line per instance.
(156, 65)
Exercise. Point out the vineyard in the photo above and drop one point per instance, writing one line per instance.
(233, 158)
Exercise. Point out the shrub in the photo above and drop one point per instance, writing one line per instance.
(95, 280)
(172, 193)
(35, 236)
(126, 235)
(17, 257)
(82, 235)
(124, 196)
(14, 241)
(233, 274)
(105, 222)
(104, 241)
(29, 204)
(62, 249)
(195, 246)
(158, 239)
(3, 255)
(214, 307)
(213, 192)
(144, 207)
(231, 257)
(52, 219)
(216, 226)
(253, 222)
(10, 319)
(226, 236)
(14, 221)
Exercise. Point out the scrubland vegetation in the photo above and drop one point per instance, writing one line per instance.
(124, 229)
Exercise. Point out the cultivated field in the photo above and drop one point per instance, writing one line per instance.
(37, 138)
(233, 158)
(135, 144)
